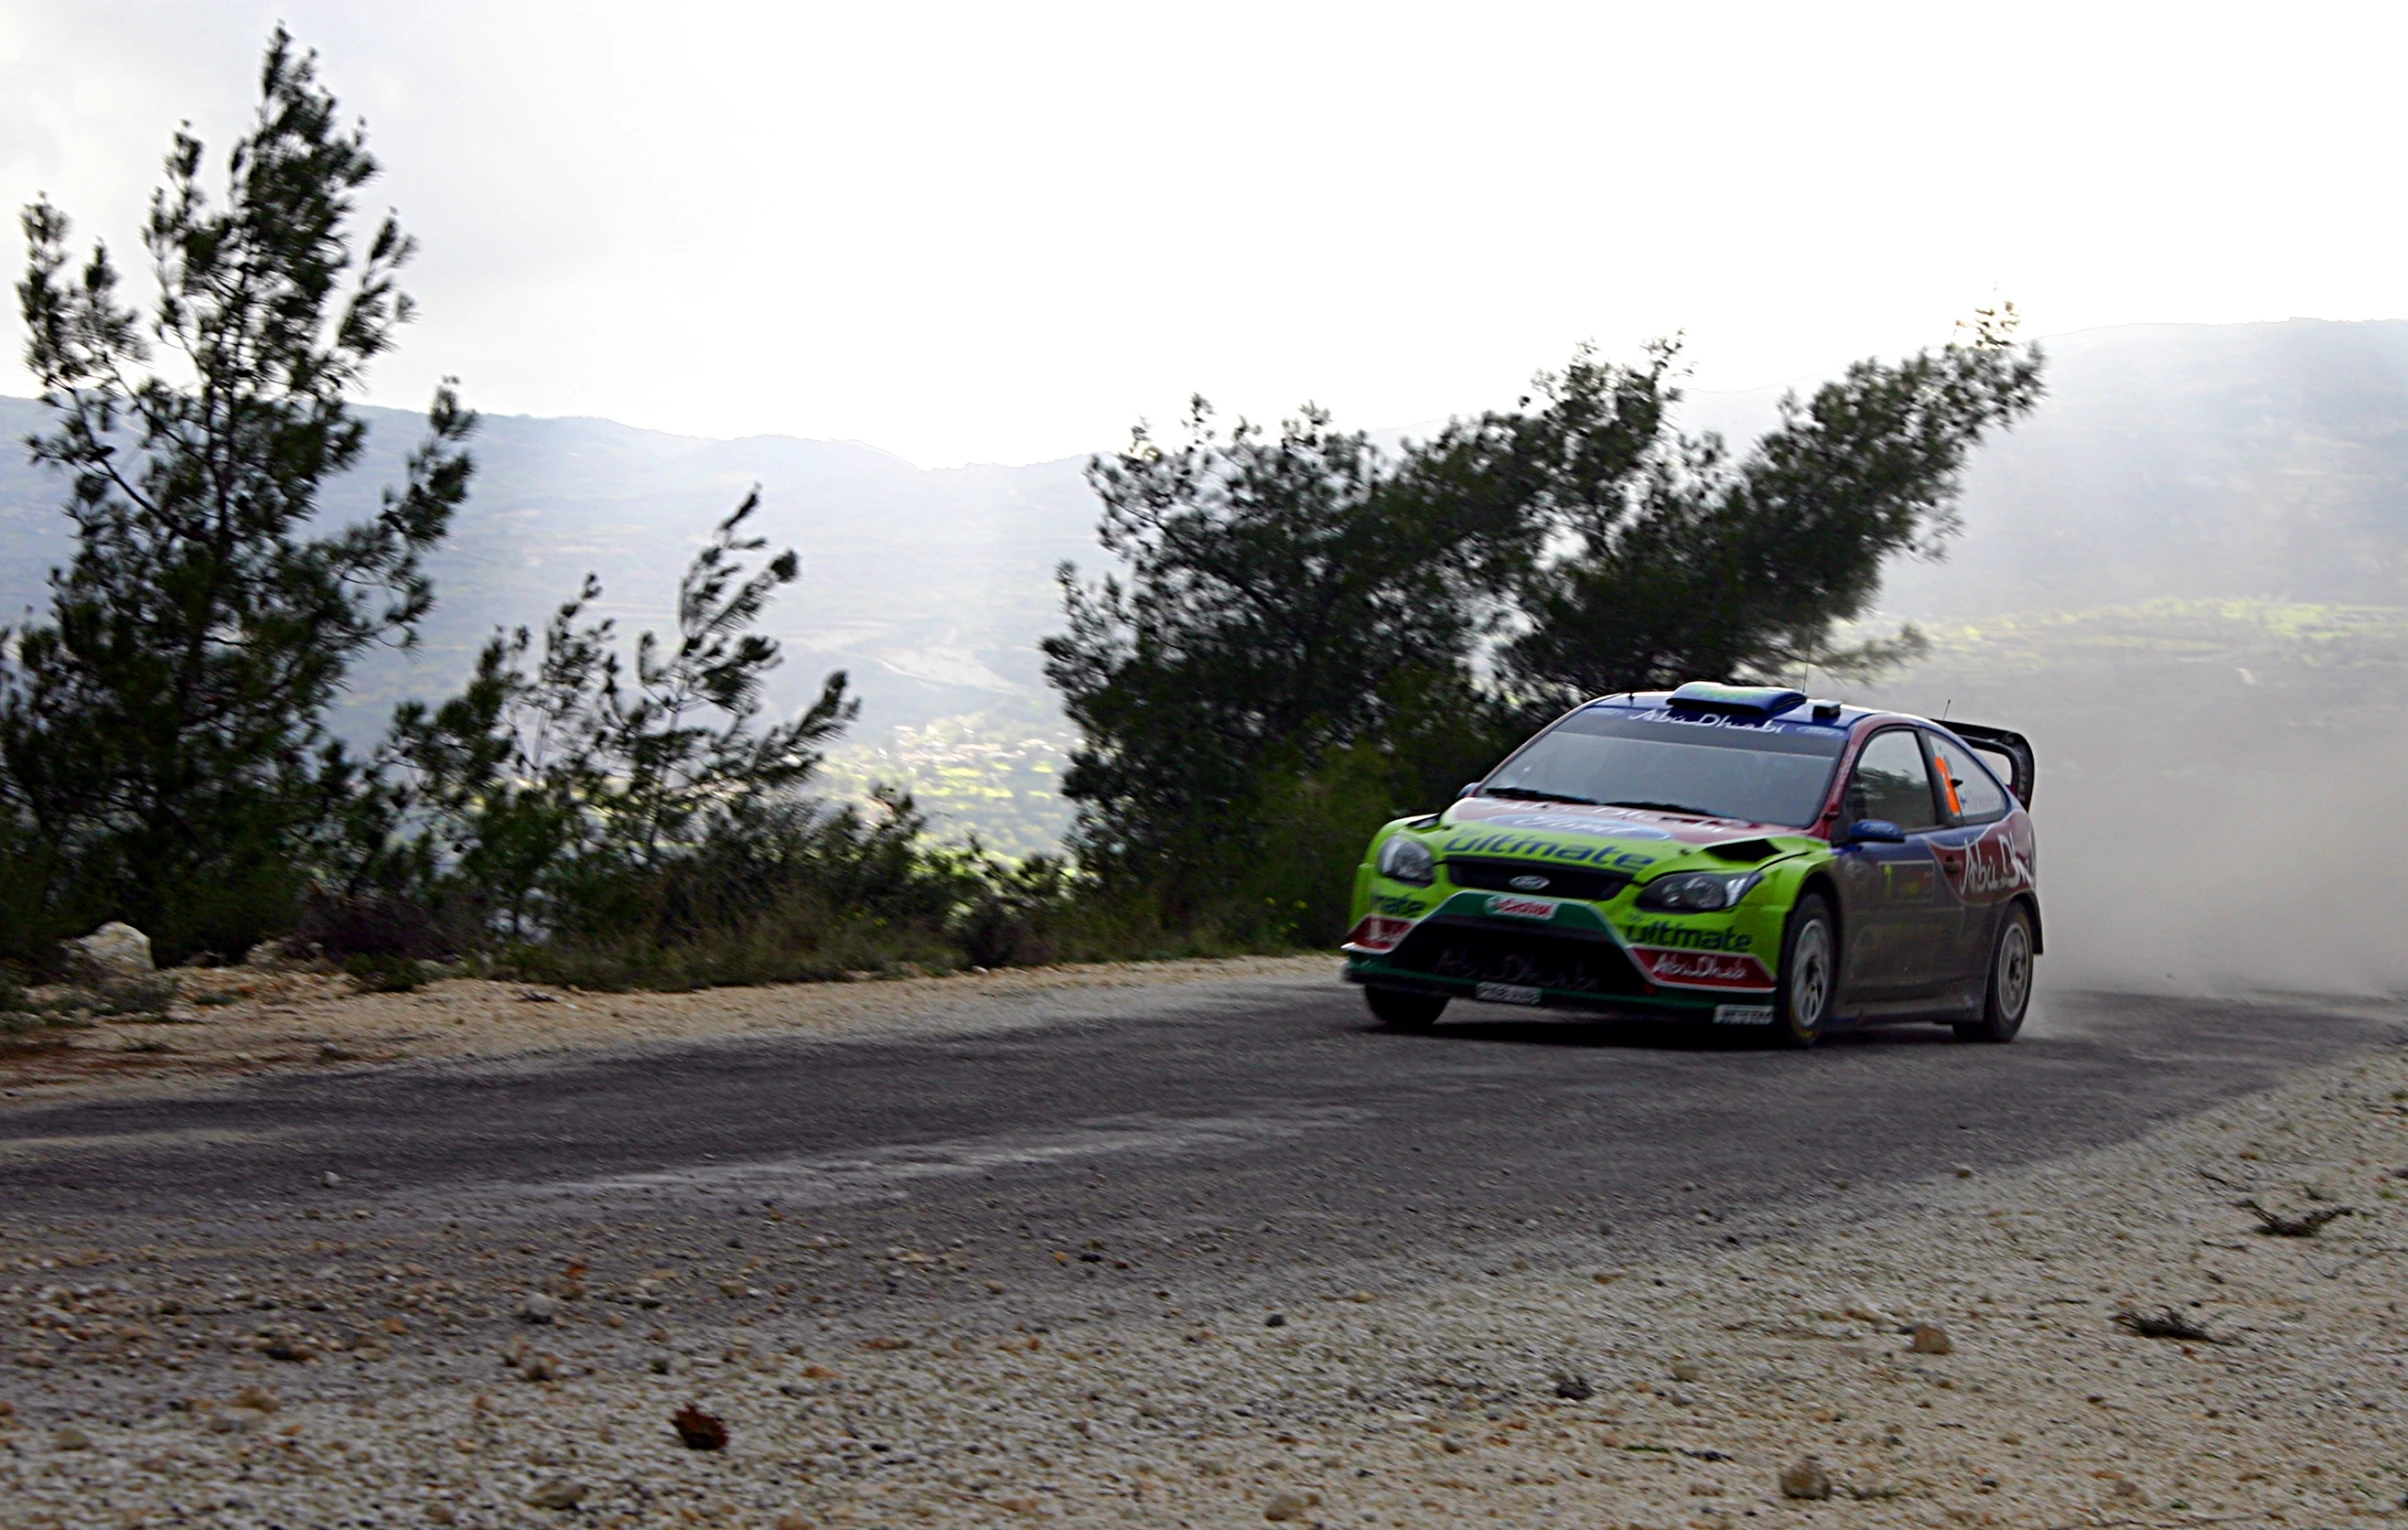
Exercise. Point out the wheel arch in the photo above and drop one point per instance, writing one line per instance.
(1819, 881)
(2031, 908)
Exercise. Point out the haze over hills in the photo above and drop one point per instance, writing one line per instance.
(928, 585)
(2169, 462)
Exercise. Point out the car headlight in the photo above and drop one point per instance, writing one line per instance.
(1696, 892)
(1406, 859)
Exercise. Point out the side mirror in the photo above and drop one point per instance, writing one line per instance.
(1873, 831)
(1468, 789)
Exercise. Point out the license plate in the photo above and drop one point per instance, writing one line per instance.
(1743, 1014)
(1512, 993)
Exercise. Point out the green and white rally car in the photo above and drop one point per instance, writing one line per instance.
(1729, 855)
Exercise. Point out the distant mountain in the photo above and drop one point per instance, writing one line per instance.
(2261, 461)
(930, 587)
(2187, 461)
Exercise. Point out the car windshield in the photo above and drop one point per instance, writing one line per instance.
(1710, 766)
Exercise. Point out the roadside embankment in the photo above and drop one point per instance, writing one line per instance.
(233, 1022)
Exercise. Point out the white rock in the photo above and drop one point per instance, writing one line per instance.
(114, 953)
(559, 1493)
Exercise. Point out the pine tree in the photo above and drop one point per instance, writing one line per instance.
(163, 752)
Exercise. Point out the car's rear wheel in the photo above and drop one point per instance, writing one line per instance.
(1809, 974)
(2008, 993)
(1401, 1011)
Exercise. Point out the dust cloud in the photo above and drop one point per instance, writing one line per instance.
(2206, 826)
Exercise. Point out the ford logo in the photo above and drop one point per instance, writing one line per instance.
(1529, 884)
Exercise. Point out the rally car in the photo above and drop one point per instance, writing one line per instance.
(1730, 855)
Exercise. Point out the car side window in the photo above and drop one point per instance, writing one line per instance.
(1891, 782)
(1968, 791)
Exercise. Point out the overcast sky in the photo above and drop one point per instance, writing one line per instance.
(1000, 232)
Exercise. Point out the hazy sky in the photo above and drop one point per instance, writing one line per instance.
(1001, 232)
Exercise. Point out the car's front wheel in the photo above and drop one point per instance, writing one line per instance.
(1809, 974)
(1401, 1011)
(2009, 992)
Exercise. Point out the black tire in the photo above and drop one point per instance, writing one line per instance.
(1809, 974)
(2007, 995)
(1401, 1011)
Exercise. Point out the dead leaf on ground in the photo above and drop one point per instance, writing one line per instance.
(699, 1430)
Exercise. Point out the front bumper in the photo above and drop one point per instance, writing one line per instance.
(1561, 965)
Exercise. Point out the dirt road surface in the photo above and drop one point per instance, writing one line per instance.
(1020, 1259)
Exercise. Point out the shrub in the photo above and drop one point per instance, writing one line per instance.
(380, 973)
(371, 925)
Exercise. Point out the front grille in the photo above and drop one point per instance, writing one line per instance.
(1479, 955)
(1562, 881)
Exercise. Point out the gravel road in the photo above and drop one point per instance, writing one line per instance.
(1143, 1163)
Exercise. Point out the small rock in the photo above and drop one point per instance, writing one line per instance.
(279, 955)
(1687, 1370)
(443, 1514)
(559, 1493)
(114, 953)
(661, 1365)
(1286, 1506)
(540, 1368)
(790, 1522)
(539, 1308)
(257, 1399)
(1964, 1171)
(1276, 1320)
(330, 1179)
(71, 1438)
(290, 1350)
(2127, 1493)
(699, 1430)
(1931, 1339)
(1805, 1479)
(232, 1423)
(1573, 1387)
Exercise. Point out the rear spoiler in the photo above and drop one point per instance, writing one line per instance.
(2011, 744)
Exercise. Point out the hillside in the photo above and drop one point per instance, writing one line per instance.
(2264, 462)
(929, 587)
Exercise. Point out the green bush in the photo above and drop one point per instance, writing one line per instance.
(376, 973)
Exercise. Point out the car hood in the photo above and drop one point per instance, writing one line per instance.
(1628, 839)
